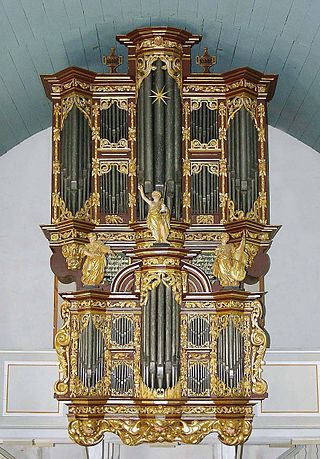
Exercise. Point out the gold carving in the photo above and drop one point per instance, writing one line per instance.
(95, 263)
(259, 346)
(171, 63)
(237, 215)
(233, 431)
(201, 236)
(115, 219)
(232, 260)
(105, 143)
(124, 236)
(88, 432)
(121, 166)
(205, 219)
(59, 205)
(211, 145)
(211, 103)
(170, 393)
(122, 104)
(86, 212)
(204, 88)
(158, 218)
(212, 167)
(151, 279)
(166, 261)
(113, 88)
(159, 42)
(82, 103)
(235, 104)
(61, 344)
(73, 253)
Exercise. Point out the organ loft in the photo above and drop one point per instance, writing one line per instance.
(160, 224)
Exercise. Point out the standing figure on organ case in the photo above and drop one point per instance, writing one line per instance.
(158, 218)
(93, 267)
(231, 262)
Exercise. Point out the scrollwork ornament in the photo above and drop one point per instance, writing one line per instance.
(62, 342)
(151, 279)
(145, 65)
(259, 346)
(233, 431)
(73, 253)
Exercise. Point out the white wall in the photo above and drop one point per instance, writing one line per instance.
(26, 292)
(293, 301)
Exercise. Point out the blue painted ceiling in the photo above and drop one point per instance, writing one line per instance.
(272, 36)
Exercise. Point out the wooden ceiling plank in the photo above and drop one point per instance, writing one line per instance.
(18, 19)
(37, 18)
(244, 49)
(243, 13)
(93, 12)
(91, 48)
(8, 35)
(74, 48)
(57, 15)
(277, 15)
(31, 82)
(169, 7)
(25, 104)
(75, 13)
(226, 46)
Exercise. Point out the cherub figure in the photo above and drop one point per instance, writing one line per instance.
(95, 262)
(158, 218)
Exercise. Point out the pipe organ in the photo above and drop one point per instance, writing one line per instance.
(160, 215)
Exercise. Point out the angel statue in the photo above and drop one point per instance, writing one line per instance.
(231, 262)
(158, 218)
(95, 262)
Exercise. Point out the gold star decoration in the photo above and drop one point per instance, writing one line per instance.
(160, 95)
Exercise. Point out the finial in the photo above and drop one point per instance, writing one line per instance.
(206, 61)
(112, 61)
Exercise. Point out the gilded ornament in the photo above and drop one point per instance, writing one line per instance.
(212, 167)
(202, 236)
(158, 218)
(61, 344)
(211, 145)
(204, 88)
(84, 104)
(171, 393)
(235, 104)
(73, 253)
(121, 144)
(122, 104)
(132, 432)
(116, 236)
(212, 104)
(231, 262)
(151, 279)
(205, 219)
(145, 65)
(95, 262)
(113, 219)
(165, 261)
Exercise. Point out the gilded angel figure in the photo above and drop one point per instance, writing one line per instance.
(231, 262)
(95, 262)
(158, 218)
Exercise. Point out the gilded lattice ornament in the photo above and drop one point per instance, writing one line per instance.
(122, 104)
(205, 219)
(122, 143)
(204, 88)
(73, 253)
(171, 63)
(112, 237)
(211, 145)
(212, 104)
(238, 102)
(86, 212)
(82, 103)
(202, 236)
(237, 215)
(113, 88)
(171, 393)
(212, 167)
(151, 279)
(121, 166)
(113, 219)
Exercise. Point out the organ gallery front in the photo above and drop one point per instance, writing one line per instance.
(160, 218)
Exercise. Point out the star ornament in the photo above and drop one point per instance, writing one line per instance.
(160, 95)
